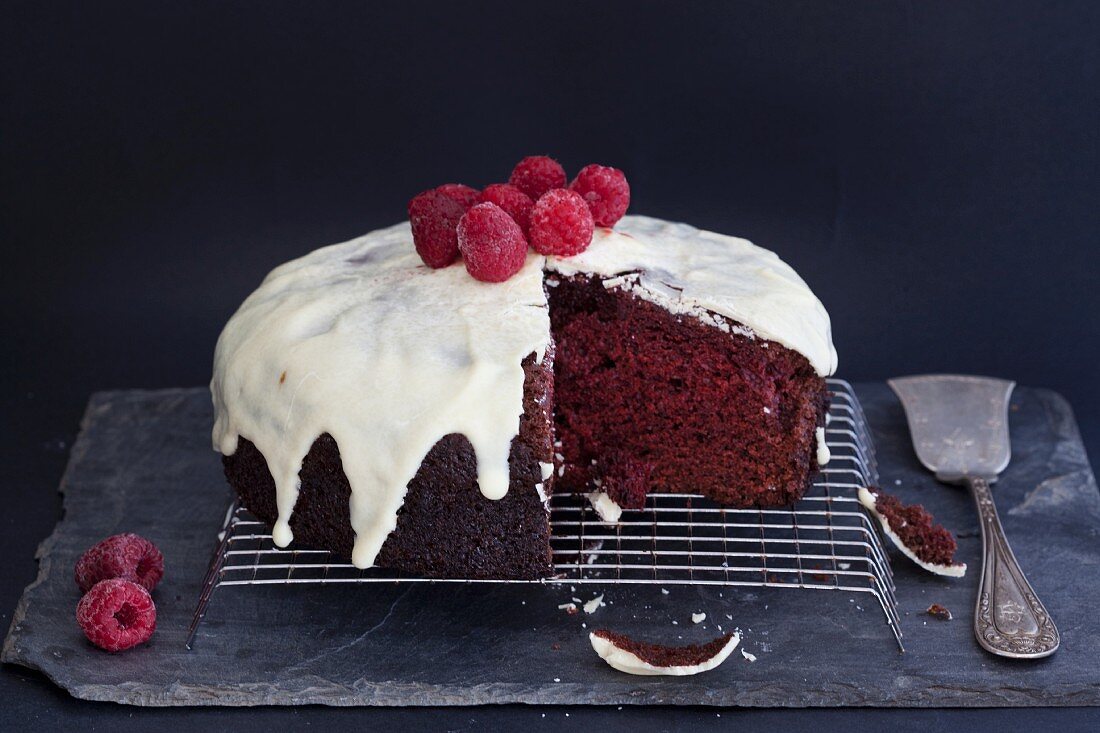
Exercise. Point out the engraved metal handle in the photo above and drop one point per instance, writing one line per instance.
(1009, 619)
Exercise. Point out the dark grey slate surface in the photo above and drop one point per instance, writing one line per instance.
(143, 463)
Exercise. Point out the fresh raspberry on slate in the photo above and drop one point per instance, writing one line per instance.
(127, 556)
(493, 246)
(516, 203)
(117, 614)
(460, 192)
(606, 191)
(537, 174)
(561, 224)
(434, 216)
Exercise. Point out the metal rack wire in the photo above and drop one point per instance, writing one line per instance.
(825, 542)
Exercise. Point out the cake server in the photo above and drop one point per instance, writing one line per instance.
(959, 426)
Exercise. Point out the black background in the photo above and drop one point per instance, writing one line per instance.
(932, 169)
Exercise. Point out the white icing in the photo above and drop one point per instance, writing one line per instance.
(747, 654)
(595, 603)
(696, 272)
(547, 469)
(631, 663)
(387, 356)
(697, 618)
(867, 499)
(360, 340)
(605, 506)
(823, 454)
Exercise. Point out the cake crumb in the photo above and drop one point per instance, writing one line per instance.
(698, 618)
(570, 608)
(664, 592)
(940, 612)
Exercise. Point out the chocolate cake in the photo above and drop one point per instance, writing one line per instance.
(915, 532)
(650, 401)
(644, 658)
(417, 419)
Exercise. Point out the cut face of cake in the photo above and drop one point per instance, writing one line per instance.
(642, 658)
(416, 418)
(914, 532)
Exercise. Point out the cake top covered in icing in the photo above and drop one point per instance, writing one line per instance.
(691, 270)
(362, 341)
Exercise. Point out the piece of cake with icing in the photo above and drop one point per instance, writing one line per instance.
(643, 658)
(914, 532)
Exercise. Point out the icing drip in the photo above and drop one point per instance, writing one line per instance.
(605, 506)
(362, 341)
(823, 454)
(691, 271)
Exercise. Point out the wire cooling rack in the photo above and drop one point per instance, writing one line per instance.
(824, 542)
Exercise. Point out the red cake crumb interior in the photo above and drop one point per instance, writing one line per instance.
(915, 526)
(697, 409)
(666, 656)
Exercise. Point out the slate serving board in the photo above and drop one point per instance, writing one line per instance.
(143, 463)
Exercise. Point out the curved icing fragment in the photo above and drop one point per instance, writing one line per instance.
(627, 661)
(957, 570)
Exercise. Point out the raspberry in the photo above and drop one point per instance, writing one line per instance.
(434, 216)
(117, 614)
(492, 244)
(515, 203)
(537, 174)
(561, 224)
(460, 192)
(127, 556)
(606, 191)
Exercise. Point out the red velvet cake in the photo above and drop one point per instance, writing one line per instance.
(914, 531)
(414, 417)
(643, 658)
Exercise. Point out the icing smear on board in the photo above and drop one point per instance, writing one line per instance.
(364, 342)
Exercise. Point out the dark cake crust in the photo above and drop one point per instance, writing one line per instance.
(705, 411)
(446, 527)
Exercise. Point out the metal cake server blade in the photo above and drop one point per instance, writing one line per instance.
(959, 426)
